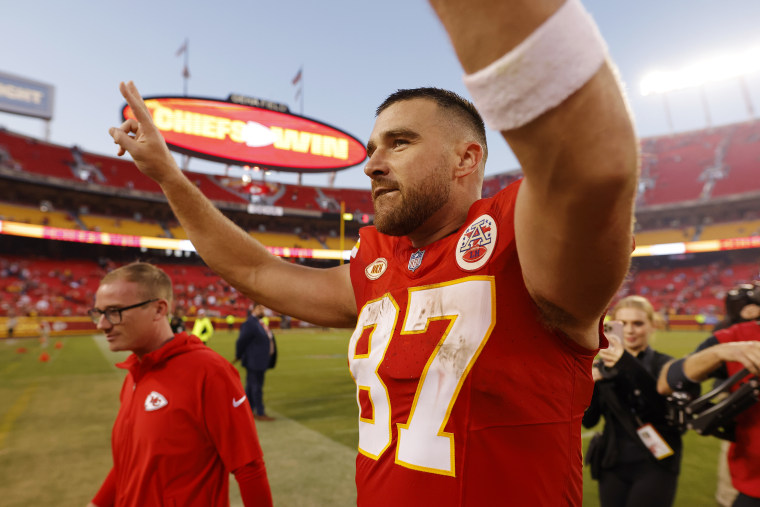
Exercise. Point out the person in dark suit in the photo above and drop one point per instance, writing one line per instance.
(254, 348)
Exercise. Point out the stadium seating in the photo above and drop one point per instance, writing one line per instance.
(677, 164)
(742, 161)
(681, 168)
(38, 156)
(33, 215)
(738, 229)
(659, 236)
(121, 173)
(355, 200)
(68, 287)
(299, 197)
(701, 165)
(689, 290)
(286, 240)
(57, 288)
(679, 171)
(213, 190)
(122, 226)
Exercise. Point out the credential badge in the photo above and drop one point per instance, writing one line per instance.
(476, 243)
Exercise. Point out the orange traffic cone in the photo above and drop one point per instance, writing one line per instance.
(21, 350)
(59, 344)
(44, 357)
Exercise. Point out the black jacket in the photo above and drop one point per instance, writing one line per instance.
(632, 386)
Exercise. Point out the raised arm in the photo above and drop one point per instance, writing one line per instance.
(573, 218)
(321, 296)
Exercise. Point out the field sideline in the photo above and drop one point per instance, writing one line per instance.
(56, 417)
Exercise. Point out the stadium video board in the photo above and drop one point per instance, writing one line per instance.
(19, 95)
(241, 134)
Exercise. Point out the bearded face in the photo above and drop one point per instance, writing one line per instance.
(411, 166)
(401, 211)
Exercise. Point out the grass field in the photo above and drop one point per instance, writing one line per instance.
(56, 418)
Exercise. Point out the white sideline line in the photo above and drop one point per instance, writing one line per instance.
(111, 357)
(294, 453)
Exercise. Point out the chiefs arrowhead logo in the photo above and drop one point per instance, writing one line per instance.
(154, 401)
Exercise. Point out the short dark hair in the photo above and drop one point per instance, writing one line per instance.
(447, 100)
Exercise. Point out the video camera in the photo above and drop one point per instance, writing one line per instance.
(713, 413)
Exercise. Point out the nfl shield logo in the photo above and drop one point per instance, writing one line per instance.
(415, 260)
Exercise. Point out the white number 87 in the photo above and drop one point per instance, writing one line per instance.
(469, 305)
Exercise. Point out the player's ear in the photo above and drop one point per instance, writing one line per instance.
(469, 157)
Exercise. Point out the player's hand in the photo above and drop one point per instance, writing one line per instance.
(612, 354)
(746, 353)
(142, 139)
(596, 374)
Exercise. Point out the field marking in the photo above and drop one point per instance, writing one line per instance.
(315, 370)
(323, 468)
(18, 407)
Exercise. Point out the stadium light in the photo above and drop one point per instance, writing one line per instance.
(716, 68)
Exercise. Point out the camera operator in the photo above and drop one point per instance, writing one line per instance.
(723, 354)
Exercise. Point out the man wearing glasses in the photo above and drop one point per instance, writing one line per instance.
(183, 425)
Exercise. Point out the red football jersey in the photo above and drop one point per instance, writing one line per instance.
(465, 398)
(744, 453)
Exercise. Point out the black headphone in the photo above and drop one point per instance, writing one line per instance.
(739, 297)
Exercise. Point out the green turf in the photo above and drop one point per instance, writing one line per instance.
(311, 383)
(56, 417)
(55, 422)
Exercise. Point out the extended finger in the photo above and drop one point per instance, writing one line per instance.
(136, 103)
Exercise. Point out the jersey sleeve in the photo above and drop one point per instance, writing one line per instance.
(228, 416)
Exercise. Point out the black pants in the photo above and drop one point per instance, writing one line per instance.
(637, 484)
(746, 501)
(254, 386)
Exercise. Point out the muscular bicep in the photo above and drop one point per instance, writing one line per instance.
(319, 296)
(573, 216)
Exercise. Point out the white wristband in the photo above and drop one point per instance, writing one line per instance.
(554, 61)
